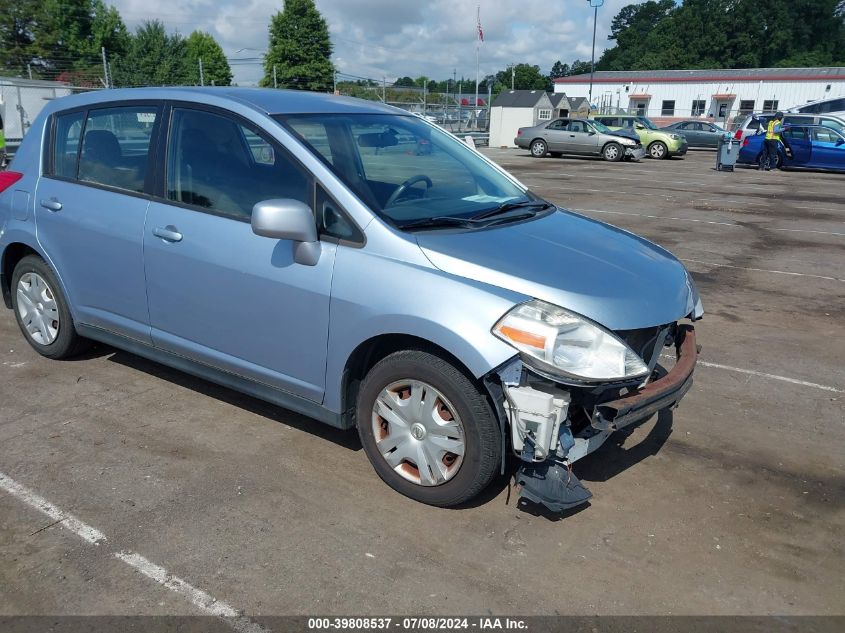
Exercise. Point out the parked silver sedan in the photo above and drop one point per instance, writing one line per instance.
(578, 136)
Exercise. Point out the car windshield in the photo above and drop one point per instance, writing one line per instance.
(601, 127)
(647, 122)
(405, 169)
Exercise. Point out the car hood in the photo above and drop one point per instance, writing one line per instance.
(599, 271)
(625, 134)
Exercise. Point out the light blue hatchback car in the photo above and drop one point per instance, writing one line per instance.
(301, 248)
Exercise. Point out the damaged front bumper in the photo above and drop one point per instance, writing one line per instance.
(553, 425)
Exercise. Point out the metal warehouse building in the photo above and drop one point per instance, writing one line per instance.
(668, 95)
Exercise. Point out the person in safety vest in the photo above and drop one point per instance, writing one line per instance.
(769, 157)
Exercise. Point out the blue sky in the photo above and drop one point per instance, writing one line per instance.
(390, 38)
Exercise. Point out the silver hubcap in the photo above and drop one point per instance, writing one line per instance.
(611, 152)
(37, 308)
(657, 151)
(418, 432)
(538, 149)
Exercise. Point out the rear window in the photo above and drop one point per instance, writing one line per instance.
(115, 146)
(68, 132)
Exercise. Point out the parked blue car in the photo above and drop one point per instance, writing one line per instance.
(295, 246)
(815, 146)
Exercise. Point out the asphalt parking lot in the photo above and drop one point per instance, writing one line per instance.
(731, 504)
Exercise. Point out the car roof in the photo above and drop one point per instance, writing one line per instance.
(265, 100)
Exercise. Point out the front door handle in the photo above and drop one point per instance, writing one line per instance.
(52, 204)
(168, 234)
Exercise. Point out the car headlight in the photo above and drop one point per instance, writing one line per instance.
(628, 141)
(675, 137)
(560, 342)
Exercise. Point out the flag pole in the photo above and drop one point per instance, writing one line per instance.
(478, 40)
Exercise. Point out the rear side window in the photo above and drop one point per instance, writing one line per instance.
(215, 162)
(116, 145)
(68, 131)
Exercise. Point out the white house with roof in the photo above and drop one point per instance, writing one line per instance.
(668, 95)
(514, 109)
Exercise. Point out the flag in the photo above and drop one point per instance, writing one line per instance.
(480, 31)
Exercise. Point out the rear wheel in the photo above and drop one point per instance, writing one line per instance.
(539, 148)
(612, 152)
(41, 310)
(658, 150)
(428, 431)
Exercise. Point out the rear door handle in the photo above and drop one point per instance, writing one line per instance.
(168, 234)
(52, 204)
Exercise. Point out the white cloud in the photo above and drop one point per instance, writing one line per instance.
(391, 38)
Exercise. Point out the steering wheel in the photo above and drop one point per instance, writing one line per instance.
(401, 189)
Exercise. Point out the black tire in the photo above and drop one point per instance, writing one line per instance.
(481, 434)
(67, 342)
(613, 152)
(538, 148)
(658, 150)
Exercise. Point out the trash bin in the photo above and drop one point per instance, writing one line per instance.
(727, 153)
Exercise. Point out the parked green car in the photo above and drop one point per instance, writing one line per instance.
(658, 143)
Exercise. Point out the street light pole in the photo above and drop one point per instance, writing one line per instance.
(595, 4)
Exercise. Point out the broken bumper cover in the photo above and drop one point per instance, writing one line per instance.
(553, 484)
(635, 152)
(658, 395)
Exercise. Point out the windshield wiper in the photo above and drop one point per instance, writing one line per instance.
(538, 205)
(437, 222)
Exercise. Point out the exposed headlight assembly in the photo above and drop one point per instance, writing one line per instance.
(561, 343)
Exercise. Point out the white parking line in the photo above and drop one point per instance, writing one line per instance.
(762, 270)
(732, 224)
(200, 599)
(761, 374)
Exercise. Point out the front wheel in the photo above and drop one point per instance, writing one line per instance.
(658, 150)
(612, 152)
(427, 429)
(539, 148)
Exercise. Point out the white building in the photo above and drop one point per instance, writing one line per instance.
(668, 95)
(514, 109)
(20, 102)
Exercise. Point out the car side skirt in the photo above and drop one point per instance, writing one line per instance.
(232, 381)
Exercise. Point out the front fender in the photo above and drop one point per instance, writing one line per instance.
(374, 296)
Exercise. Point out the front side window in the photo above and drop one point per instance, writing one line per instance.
(68, 132)
(836, 124)
(217, 163)
(404, 169)
(115, 146)
(825, 135)
(648, 123)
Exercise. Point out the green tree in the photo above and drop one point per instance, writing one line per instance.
(108, 30)
(300, 48)
(525, 77)
(559, 70)
(215, 67)
(62, 37)
(405, 82)
(17, 27)
(153, 58)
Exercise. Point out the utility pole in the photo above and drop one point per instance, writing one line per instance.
(595, 4)
(29, 70)
(275, 81)
(513, 76)
(384, 89)
(334, 82)
(202, 77)
(106, 79)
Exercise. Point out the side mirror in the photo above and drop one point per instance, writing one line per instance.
(639, 126)
(287, 219)
(840, 141)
